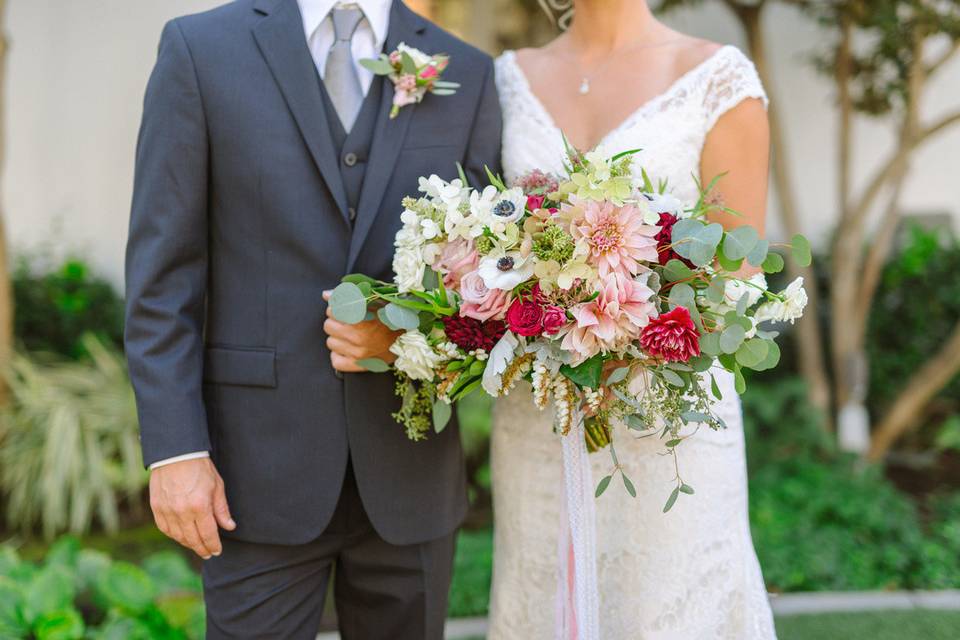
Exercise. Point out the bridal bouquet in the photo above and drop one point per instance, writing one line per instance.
(616, 300)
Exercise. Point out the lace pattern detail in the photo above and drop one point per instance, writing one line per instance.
(691, 574)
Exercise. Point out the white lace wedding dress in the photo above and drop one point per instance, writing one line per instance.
(692, 573)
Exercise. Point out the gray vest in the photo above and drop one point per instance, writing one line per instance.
(353, 149)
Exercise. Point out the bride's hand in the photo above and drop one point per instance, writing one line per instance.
(351, 342)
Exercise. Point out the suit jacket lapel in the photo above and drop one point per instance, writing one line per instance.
(280, 38)
(408, 27)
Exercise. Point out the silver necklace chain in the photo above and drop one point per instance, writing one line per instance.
(615, 55)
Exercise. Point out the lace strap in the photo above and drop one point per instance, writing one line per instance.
(731, 80)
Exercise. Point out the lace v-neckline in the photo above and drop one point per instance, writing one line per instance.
(548, 119)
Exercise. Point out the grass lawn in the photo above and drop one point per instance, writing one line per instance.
(872, 625)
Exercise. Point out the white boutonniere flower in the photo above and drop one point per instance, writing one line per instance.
(413, 73)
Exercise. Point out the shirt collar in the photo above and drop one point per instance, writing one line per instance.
(377, 13)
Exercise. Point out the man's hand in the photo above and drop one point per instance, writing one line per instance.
(188, 502)
(351, 342)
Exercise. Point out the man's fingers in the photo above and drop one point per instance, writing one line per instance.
(221, 510)
(191, 538)
(161, 520)
(347, 365)
(344, 348)
(209, 534)
(327, 294)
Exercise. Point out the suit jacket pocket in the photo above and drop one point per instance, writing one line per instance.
(241, 366)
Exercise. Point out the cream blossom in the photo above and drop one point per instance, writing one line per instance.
(408, 268)
(415, 356)
(419, 57)
(505, 270)
(787, 310)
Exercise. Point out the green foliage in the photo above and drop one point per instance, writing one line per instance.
(78, 593)
(871, 625)
(68, 442)
(472, 572)
(916, 306)
(54, 309)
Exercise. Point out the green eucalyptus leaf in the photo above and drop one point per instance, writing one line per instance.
(629, 485)
(407, 63)
(731, 338)
(672, 378)
(676, 270)
(682, 295)
(618, 375)
(773, 263)
(715, 388)
(379, 66)
(772, 358)
(442, 412)
(710, 344)
(742, 304)
(671, 500)
(740, 384)
(373, 365)
(717, 290)
(800, 247)
(752, 352)
(696, 241)
(738, 242)
(687, 489)
(348, 304)
(401, 317)
(759, 252)
(602, 486)
(695, 416)
(636, 422)
(728, 264)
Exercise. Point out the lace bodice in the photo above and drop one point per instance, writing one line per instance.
(690, 574)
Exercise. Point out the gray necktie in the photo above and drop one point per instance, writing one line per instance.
(340, 74)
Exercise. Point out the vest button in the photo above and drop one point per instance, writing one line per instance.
(352, 212)
(350, 159)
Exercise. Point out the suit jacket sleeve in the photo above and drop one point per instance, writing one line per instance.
(166, 261)
(483, 149)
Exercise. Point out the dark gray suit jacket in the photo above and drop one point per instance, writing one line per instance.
(239, 222)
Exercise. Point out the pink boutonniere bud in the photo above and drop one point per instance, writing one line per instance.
(413, 74)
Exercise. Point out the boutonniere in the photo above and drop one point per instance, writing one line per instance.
(413, 73)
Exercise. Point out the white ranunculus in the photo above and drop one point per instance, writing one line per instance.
(500, 356)
(419, 57)
(736, 289)
(664, 203)
(408, 267)
(505, 270)
(787, 310)
(415, 356)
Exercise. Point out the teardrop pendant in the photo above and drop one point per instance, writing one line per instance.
(585, 86)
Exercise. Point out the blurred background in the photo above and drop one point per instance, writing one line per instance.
(853, 442)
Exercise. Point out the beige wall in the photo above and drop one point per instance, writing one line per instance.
(77, 71)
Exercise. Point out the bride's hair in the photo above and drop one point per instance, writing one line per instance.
(560, 11)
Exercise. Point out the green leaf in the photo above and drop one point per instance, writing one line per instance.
(731, 338)
(716, 292)
(51, 589)
(675, 270)
(618, 375)
(64, 552)
(348, 304)
(604, 483)
(710, 344)
(127, 588)
(671, 500)
(687, 489)
(695, 416)
(752, 352)
(59, 625)
(358, 278)
(585, 374)
(12, 624)
(728, 264)
(738, 242)
(800, 247)
(696, 241)
(407, 63)
(701, 363)
(171, 572)
(738, 381)
(771, 360)
(773, 263)
(635, 422)
(742, 304)
(92, 564)
(682, 295)
(629, 485)
(442, 413)
(401, 317)
(379, 66)
(673, 443)
(672, 378)
(715, 388)
(373, 365)
(759, 252)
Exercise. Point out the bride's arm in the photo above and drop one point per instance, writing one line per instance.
(739, 147)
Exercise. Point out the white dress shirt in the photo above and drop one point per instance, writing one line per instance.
(367, 42)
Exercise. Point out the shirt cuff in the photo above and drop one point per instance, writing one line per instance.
(186, 456)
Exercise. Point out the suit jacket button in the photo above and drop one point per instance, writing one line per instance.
(350, 159)
(352, 212)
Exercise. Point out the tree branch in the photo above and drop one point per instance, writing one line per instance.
(936, 127)
(942, 60)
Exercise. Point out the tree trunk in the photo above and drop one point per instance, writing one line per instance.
(6, 294)
(809, 337)
(920, 389)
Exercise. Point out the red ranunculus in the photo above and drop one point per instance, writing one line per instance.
(553, 319)
(535, 202)
(470, 333)
(525, 316)
(672, 336)
(664, 237)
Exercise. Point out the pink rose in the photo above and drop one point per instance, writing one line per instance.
(553, 319)
(429, 72)
(457, 259)
(525, 317)
(535, 202)
(480, 302)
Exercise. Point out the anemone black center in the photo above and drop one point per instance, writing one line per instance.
(505, 263)
(504, 209)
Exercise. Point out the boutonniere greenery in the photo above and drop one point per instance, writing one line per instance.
(414, 74)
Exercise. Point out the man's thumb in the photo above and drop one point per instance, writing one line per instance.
(221, 511)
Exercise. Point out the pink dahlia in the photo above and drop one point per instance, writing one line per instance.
(612, 320)
(616, 235)
(672, 336)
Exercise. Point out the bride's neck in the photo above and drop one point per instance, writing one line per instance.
(602, 26)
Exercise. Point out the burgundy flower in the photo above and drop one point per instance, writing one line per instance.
(664, 237)
(553, 319)
(470, 334)
(535, 202)
(672, 336)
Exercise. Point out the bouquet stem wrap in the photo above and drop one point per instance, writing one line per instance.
(578, 597)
